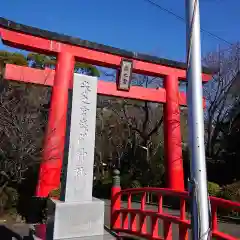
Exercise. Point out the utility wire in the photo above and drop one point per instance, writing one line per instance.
(183, 20)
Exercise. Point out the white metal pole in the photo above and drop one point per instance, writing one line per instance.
(198, 181)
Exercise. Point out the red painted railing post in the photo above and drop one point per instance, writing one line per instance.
(50, 169)
(183, 230)
(142, 217)
(115, 220)
(214, 218)
(172, 135)
(167, 230)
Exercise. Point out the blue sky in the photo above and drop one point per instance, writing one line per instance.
(130, 24)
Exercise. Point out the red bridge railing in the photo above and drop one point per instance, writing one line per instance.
(133, 221)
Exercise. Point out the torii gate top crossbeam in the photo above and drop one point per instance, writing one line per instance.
(46, 42)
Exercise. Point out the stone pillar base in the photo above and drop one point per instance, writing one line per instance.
(75, 220)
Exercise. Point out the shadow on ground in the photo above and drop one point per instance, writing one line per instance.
(8, 234)
(20, 233)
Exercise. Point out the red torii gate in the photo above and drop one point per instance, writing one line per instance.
(68, 49)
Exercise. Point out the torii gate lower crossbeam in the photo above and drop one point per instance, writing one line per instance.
(67, 51)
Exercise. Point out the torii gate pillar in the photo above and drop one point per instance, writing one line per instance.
(50, 169)
(172, 135)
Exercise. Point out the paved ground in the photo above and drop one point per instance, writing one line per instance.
(22, 229)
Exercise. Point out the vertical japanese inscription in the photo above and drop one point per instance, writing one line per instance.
(83, 125)
(125, 75)
(82, 139)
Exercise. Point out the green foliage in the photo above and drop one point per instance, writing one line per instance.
(213, 189)
(55, 193)
(41, 61)
(231, 192)
(125, 181)
(12, 196)
(3, 202)
(90, 69)
(13, 58)
(135, 184)
(8, 199)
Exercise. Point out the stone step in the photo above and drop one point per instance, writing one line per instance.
(106, 236)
